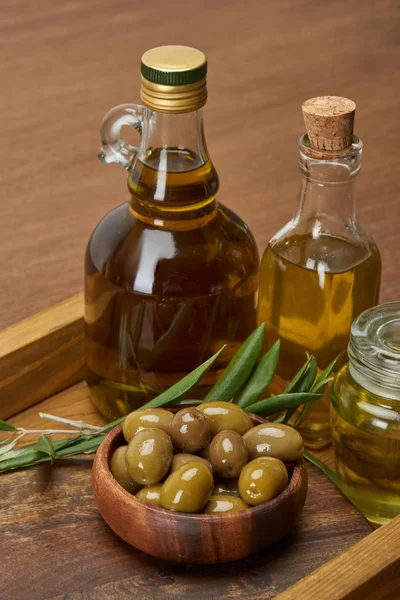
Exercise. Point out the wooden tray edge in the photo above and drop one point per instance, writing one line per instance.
(41, 356)
(369, 570)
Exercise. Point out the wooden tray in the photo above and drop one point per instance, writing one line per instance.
(55, 545)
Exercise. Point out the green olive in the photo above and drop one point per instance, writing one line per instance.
(222, 504)
(189, 430)
(228, 454)
(150, 494)
(149, 456)
(181, 459)
(187, 489)
(272, 439)
(226, 487)
(262, 479)
(120, 472)
(224, 416)
(145, 418)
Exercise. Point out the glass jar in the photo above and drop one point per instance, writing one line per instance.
(366, 415)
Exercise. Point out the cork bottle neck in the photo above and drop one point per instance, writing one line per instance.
(335, 167)
(327, 194)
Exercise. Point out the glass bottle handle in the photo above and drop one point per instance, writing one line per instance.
(114, 148)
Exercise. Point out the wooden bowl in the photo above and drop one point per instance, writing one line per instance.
(194, 538)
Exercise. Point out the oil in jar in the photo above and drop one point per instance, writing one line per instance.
(366, 442)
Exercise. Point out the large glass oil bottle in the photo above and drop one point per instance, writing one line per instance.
(171, 275)
(321, 270)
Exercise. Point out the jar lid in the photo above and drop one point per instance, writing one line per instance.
(174, 79)
(374, 349)
(174, 65)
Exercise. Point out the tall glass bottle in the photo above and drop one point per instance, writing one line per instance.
(172, 274)
(321, 270)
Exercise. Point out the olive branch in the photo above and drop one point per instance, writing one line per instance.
(244, 382)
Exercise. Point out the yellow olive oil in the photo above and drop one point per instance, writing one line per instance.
(311, 289)
(170, 278)
(366, 441)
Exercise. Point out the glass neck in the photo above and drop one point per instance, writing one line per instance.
(163, 135)
(327, 196)
(172, 180)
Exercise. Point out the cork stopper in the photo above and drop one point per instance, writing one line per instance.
(329, 122)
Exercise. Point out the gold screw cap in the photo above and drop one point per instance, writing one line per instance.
(174, 65)
(174, 79)
(329, 122)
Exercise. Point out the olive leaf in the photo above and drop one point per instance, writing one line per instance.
(301, 382)
(30, 455)
(306, 384)
(281, 402)
(291, 387)
(187, 402)
(44, 444)
(325, 378)
(239, 368)
(324, 468)
(4, 426)
(183, 386)
(260, 378)
(320, 385)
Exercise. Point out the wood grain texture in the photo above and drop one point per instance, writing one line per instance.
(41, 356)
(49, 523)
(65, 63)
(368, 571)
(201, 539)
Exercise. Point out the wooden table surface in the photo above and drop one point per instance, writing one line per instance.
(49, 524)
(65, 63)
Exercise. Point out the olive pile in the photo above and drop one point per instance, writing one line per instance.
(208, 459)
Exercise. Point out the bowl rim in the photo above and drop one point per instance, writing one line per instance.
(103, 456)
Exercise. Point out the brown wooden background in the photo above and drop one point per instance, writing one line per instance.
(64, 64)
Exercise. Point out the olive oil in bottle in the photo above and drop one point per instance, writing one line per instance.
(172, 275)
(321, 270)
